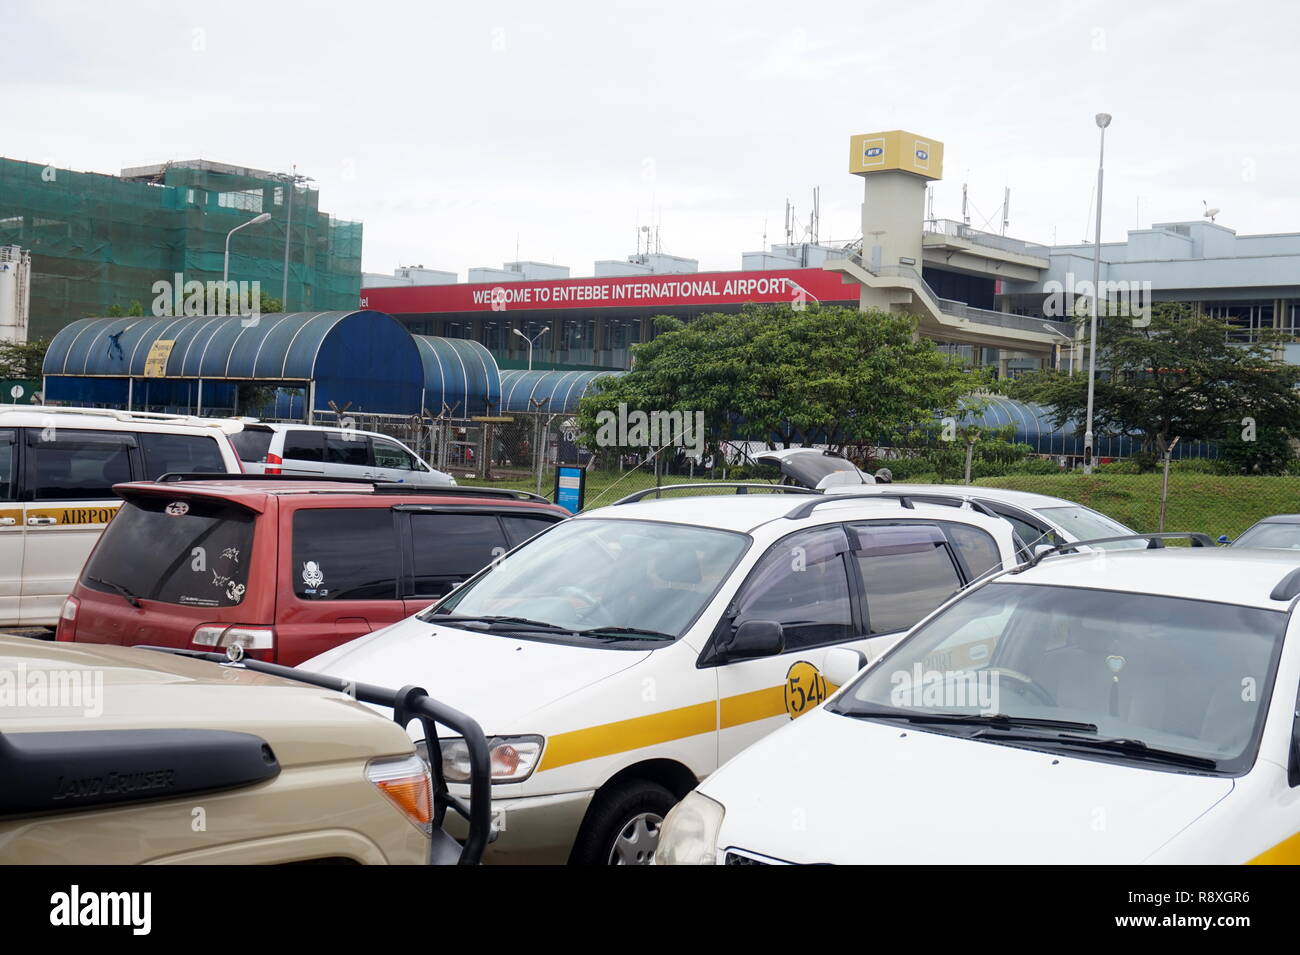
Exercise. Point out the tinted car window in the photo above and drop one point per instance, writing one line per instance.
(187, 551)
(450, 548)
(252, 444)
(180, 452)
(519, 529)
(802, 583)
(347, 447)
(345, 554)
(8, 466)
(907, 571)
(977, 548)
(389, 454)
(304, 446)
(77, 465)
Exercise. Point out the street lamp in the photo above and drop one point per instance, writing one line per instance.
(531, 341)
(1057, 331)
(1103, 120)
(225, 268)
(291, 181)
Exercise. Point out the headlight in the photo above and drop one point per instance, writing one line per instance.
(690, 833)
(511, 759)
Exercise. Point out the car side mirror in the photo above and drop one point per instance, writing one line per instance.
(752, 639)
(842, 664)
(1041, 549)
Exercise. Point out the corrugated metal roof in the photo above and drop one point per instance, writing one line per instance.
(459, 374)
(561, 390)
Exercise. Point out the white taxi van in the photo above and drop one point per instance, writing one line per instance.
(1107, 707)
(57, 471)
(619, 657)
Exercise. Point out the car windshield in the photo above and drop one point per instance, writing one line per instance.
(1279, 535)
(1083, 523)
(638, 580)
(1166, 674)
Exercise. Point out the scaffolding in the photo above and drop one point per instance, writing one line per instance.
(99, 241)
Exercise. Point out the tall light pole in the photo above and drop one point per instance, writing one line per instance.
(225, 268)
(291, 181)
(531, 341)
(1103, 120)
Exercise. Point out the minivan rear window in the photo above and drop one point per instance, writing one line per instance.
(252, 444)
(187, 453)
(189, 551)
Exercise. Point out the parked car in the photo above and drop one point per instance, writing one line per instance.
(1037, 518)
(332, 452)
(285, 567)
(617, 658)
(113, 755)
(1280, 531)
(57, 470)
(1102, 707)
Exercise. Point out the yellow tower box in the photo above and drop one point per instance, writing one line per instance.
(896, 150)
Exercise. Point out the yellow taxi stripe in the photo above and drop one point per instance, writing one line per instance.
(607, 739)
(622, 735)
(1286, 852)
(99, 514)
(755, 705)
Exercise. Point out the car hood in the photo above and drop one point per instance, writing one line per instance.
(498, 679)
(104, 687)
(831, 789)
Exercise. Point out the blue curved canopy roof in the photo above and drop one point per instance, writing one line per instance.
(561, 390)
(365, 359)
(460, 375)
(1033, 426)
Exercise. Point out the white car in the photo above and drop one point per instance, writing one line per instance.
(321, 451)
(619, 657)
(57, 471)
(1103, 707)
(1037, 518)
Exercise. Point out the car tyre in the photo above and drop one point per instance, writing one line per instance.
(623, 823)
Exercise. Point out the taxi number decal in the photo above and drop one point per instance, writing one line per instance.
(805, 687)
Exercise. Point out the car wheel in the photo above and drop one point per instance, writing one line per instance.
(622, 826)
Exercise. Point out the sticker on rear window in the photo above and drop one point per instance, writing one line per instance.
(177, 509)
(312, 578)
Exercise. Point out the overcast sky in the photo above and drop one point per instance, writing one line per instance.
(460, 131)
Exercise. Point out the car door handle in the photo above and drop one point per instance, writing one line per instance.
(34, 521)
(7, 521)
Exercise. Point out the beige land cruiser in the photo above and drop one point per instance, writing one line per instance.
(121, 755)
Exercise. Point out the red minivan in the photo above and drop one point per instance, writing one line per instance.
(286, 567)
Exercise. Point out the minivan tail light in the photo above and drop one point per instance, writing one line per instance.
(273, 462)
(258, 642)
(67, 627)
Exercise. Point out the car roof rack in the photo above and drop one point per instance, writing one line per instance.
(740, 486)
(119, 414)
(1154, 542)
(904, 499)
(379, 487)
(1288, 588)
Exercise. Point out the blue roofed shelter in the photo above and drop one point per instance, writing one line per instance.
(362, 360)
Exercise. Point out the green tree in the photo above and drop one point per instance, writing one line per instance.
(23, 359)
(1176, 378)
(796, 376)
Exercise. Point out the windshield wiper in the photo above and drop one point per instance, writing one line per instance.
(626, 631)
(493, 622)
(1124, 746)
(996, 721)
(131, 598)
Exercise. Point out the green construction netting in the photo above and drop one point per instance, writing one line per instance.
(97, 241)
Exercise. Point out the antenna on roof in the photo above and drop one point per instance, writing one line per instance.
(1006, 209)
(965, 206)
(1209, 213)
